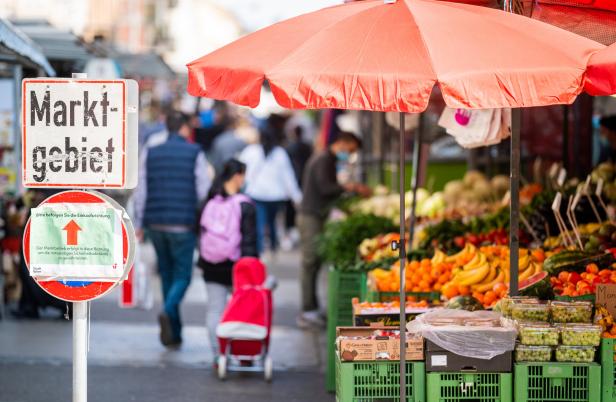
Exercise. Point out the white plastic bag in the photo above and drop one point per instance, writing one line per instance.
(141, 295)
(450, 330)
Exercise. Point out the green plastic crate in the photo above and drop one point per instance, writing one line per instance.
(608, 370)
(342, 287)
(541, 382)
(372, 381)
(475, 387)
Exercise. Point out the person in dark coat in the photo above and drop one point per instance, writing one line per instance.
(218, 274)
(173, 181)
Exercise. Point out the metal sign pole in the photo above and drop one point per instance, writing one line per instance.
(80, 351)
(514, 210)
(402, 246)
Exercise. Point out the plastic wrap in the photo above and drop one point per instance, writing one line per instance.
(453, 330)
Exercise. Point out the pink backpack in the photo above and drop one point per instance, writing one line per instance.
(220, 229)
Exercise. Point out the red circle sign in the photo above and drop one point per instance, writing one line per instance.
(78, 291)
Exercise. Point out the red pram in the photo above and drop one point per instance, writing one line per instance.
(244, 329)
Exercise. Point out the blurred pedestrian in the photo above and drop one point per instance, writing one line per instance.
(321, 189)
(173, 181)
(270, 182)
(607, 149)
(299, 152)
(227, 233)
(226, 146)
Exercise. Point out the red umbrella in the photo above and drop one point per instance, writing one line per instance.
(601, 73)
(372, 55)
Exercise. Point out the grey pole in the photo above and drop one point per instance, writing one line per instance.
(514, 210)
(402, 248)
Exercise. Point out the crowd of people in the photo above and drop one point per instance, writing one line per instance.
(213, 188)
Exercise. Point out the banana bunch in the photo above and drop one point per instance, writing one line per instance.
(527, 267)
(468, 249)
(476, 271)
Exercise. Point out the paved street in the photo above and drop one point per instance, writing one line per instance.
(127, 363)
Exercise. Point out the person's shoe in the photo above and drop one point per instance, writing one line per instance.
(166, 332)
(310, 320)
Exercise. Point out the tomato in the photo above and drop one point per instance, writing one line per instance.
(574, 278)
(563, 276)
(459, 241)
(592, 268)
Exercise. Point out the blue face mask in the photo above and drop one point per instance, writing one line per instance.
(343, 156)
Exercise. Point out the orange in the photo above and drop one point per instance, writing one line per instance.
(416, 289)
(424, 285)
(449, 290)
(592, 268)
(489, 297)
(437, 287)
(464, 290)
(500, 289)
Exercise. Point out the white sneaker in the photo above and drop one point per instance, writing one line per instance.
(310, 320)
(286, 244)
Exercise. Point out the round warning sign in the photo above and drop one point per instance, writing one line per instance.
(78, 245)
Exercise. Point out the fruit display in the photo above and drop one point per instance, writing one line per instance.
(538, 334)
(531, 312)
(605, 320)
(571, 312)
(366, 307)
(484, 272)
(427, 275)
(575, 354)
(581, 334)
(526, 353)
(467, 303)
(601, 240)
(574, 283)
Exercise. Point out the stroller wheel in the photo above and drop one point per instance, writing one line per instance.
(268, 368)
(222, 367)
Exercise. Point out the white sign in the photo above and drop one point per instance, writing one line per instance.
(79, 133)
(76, 241)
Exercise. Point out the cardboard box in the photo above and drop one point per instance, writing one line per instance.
(380, 348)
(441, 360)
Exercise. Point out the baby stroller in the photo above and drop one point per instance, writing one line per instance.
(244, 329)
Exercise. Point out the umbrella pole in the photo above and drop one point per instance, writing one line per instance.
(402, 247)
(514, 210)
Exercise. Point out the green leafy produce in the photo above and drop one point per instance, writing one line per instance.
(538, 335)
(340, 239)
(530, 312)
(581, 335)
(442, 235)
(576, 354)
(576, 312)
(524, 353)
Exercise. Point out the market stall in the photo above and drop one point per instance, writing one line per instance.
(401, 80)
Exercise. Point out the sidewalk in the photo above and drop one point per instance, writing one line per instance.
(35, 356)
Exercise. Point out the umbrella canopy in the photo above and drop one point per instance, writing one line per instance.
(387, 56)
(601, 74)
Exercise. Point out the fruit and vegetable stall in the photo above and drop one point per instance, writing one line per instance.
(467, 337)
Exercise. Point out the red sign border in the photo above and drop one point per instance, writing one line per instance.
(23, 133)
(57, 289)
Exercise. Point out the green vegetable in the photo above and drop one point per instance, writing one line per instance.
(340, 239)
(467, 303)
(576, 354)
(525, 353)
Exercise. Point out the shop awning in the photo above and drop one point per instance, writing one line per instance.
(57, 44)
(144, 65)
(15, 43)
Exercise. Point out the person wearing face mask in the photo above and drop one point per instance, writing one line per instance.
(607, 150)
(321, 189)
